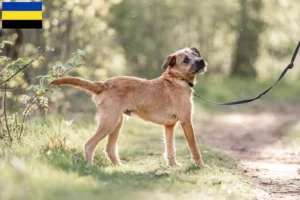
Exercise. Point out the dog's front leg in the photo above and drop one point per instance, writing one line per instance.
(170, 154)
(191, 140)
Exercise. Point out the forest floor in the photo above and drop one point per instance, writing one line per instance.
(266, 145)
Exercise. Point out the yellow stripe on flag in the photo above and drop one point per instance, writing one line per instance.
(22, 15)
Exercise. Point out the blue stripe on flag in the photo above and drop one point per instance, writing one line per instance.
(21, 6)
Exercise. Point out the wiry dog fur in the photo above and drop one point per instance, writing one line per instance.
(165, 100)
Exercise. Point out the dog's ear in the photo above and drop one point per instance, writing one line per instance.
(195, 50)
(170, 61)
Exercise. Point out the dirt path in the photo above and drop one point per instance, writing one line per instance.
(255, 140)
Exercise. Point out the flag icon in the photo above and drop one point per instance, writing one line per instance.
(22, 15)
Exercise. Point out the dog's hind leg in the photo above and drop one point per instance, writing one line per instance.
(170, 154)
(108, 121)
(111, 147)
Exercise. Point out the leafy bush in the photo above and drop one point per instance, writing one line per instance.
(12, 120)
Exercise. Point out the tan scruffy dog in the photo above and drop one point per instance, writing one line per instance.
(165, 100)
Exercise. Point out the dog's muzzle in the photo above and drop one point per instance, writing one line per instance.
(199, 64)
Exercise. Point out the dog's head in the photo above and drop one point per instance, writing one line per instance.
(185, 63)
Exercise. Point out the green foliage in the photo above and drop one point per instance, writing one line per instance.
(81, 52)
(150, 30)
(5, 42)
(36, 93)
(50, 49)
(133, 37)
(18, 64)
(3, 58)
(2, 45)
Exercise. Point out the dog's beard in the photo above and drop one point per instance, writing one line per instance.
(199, 71)
(202, 71)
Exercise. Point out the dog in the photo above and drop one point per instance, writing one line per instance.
(165, 100)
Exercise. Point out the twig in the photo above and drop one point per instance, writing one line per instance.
(5, 115)
(17, 96)
(64, 72)
(11, 89)
(25, 113)
(29, 63)
(1, 113)
(15, 88)
(2, 131)
(2, 108)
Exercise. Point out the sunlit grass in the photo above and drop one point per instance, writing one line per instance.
(31, 170)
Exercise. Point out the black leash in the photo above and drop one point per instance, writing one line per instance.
(290, 66)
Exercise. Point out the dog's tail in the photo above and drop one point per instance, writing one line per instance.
(89, 86)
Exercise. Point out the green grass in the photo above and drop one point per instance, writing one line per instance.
(30, 170)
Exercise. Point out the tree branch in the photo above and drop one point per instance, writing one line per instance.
(14, 88)
(1, 130)
(21, 69)
(5, 115)
(1, 124)
(2, 107)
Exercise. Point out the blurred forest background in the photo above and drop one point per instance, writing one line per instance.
(239, 38)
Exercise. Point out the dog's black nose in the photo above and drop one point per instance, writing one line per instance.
(200, 63)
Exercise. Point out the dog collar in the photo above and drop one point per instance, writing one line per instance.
(189, 83)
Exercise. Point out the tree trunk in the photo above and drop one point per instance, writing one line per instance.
(250, 28)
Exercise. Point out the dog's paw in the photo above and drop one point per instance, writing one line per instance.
(206, 166)
(118, 164)
(123, 166)
(198, 162)
(174, 164)
(201, 164)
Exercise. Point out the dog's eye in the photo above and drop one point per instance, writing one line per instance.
(186, 60)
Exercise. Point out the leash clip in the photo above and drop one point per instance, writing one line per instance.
(291, 65)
